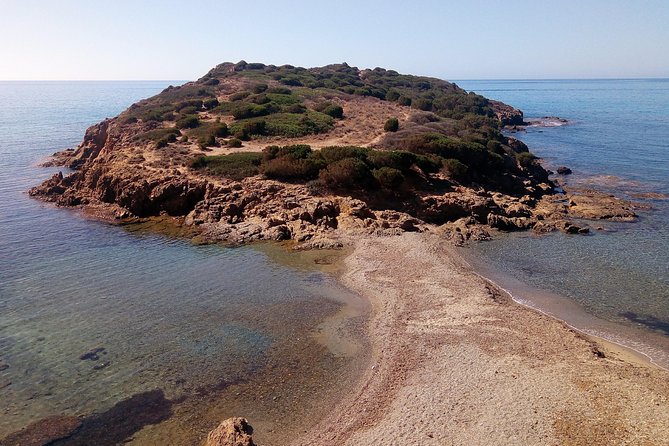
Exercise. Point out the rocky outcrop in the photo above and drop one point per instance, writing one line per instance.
(135, 166)
(231, 432)
(506, 114)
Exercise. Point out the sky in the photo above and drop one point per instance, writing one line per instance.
(182, 40)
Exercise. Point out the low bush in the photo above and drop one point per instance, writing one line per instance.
(348, 173)
(330, 109)
(280, 90)
(295, 151)
(336, 153)
(259, 88)
(526, 159)
(235, 166)
(188, 122)
(392, 125)
(289, 168)
(239, 96)
(163, 142)
(246, 111)
(455, 169)
(157, 134)
(388, 177)
(235, 143)
(210, 104)
(395, 159)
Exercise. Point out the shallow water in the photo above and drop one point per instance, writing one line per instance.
(616, 141)
(102, 321)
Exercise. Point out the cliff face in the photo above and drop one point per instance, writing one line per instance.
(446, 164)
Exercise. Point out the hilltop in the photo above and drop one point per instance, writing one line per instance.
(252, 151)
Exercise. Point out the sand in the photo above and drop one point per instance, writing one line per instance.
(457, 362)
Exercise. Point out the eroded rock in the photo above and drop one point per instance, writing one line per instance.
(231, 432)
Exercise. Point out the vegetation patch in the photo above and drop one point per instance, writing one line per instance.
(235, 166)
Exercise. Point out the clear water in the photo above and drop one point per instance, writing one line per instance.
(617, 141)
(185, 321)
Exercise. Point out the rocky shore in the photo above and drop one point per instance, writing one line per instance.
(115, 178)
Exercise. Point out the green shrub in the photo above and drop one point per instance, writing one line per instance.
(526, 159)
(330, 109)
(256, 127)
(191, 104)
(289, 168)
(295, 151)
(246, 111)
(188, 122)
(403, 100)
(280, 90)
(163, 142)
(210, 104)
(388, 177)
(392, 125)
(428, 163)
(348, 173)
(240, 95)
(260, 99)
(455, 169)
(396, 159)
(207, 141)
(259, 88)
(221, 130)
(333, 154)
(157, 134)
(235, 166)
(295, 108)
(235, 143)
(190, 110)
(392, 95)
(422, 104)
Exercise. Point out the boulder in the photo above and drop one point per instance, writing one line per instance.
(231, 432)
(564, 170)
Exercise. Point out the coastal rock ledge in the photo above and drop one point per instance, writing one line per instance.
(324, 151)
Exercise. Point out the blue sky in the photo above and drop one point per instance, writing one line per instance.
(120, 39)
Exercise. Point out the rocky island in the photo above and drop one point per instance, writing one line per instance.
(337, 155)
(256, 152)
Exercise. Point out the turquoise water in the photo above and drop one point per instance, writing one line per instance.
(160, 314)
(617, 141)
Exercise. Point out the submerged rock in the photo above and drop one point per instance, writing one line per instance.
(44, 431)
(564, 170)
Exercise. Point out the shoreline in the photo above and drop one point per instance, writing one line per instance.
(573, 315)
(457, 361)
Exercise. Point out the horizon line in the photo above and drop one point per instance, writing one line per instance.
(446, 79)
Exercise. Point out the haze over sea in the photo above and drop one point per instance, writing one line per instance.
(174, 326)
(616, 141)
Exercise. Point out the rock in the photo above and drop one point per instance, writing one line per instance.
(92, 354)
(507, 114)
(44, 431)
(101, 366)
(231, 432)
(564, 170)
(509, 223)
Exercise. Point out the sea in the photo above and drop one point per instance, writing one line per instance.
(613, 283)
(151, 339)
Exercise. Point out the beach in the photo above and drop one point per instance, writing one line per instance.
(456, 361)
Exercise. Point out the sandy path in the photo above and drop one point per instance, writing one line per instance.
(458, 363)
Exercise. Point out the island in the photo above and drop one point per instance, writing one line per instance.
(399, 168)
